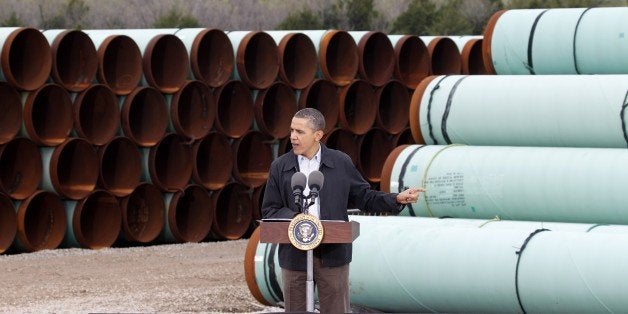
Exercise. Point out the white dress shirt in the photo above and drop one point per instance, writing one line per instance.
(307, 166)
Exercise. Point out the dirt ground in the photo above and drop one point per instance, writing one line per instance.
(201, 277)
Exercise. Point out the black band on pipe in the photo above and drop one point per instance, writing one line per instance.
(429, 109)
(402, 173)
(575, 32)
(595, 226)
(523, 247)
(531, 40)
(623, 120)
(443, 124)
(271, 283)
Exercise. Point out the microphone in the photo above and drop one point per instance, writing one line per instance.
(315, 182)
(298, 185)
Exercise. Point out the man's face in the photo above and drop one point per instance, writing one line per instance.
(303, 138)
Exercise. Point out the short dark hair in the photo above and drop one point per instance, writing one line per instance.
(314, 117)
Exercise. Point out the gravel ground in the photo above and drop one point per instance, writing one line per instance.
(200, 277)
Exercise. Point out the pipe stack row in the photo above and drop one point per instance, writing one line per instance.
(547, 152)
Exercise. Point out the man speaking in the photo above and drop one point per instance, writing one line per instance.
(343, 185)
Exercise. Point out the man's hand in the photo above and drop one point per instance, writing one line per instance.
(410, 195)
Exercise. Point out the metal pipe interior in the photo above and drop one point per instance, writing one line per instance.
(190, 214)
(374, 148)
(393, 102)
(26, 58)
(377, 57)
(75, 61)
(232, 209)
(8, 225)
(253, 157)
(96, 114)
(120, 166)
(166, 63)
(445, 56)
(298, 60)
(144, 116)
(413, 62)
(322, 95)
(345, 141)
(170, 163)
(234, 115)
(96, 221)
(22, 168)
(48, 115)
(192, 110)
(338, 56)
(74, 169)
(274, 109)
(357, 107)
(41, 222)
(213, 161)
(257, 60)
(119, 64)
(211, 57)
(11, 108)
(143, 214)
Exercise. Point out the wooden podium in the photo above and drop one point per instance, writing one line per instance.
(336, 231)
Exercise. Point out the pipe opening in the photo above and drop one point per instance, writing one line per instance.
(190, 218)
(119, 64)
(374, 148)
(343, 141)
(393, 104)
(43, 221)
(48, 115)
(404, 138)
(445, 56)
(298, 60)
(143, 214)
(357, 107)
(11, 108)
(472, 58)
(213, 161)
(75, 60)
(323, 96)
(170, 163)
(166, 63)
(7, 223)
(274, 108)
(120, 166)
(232, 209)
(26, 59)
(21, 169)
(339, 58)
(413, 61)
(96, 114)
(285, 146)
(74, 169)
(96, 221)
(388, 167)
(145, 116)
(192, 110)
(258, 60)
(234, 114)
(257, 200)
(212, 57)
(377, 58)
(253, 157)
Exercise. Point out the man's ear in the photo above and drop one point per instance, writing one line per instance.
(318, 135)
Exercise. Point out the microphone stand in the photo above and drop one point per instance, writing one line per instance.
(309, 283)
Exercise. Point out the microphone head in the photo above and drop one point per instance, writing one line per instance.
(298, 181)
(316, 180)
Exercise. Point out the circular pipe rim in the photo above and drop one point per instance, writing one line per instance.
(472, 61)
(377, 67)
(397, 110)
(249, 267)
(193, 110)
(61, 112)
(214, 64)
(27, 164)
(119, 182)
(143, 214)
(120, 69)
(251, 149)
(11, 108)
(170, 163)
(487, 54)
(96, 103)
(266, 63)
(357, 125)
(201, 222)
(213, 169)
(386, 176)
(326, 101)
(75, 73)
(404, 135)
(412, 78)
(352, 151)
(415, 106)
(56, 227)
(274, 118)
(38, 66)
(107, 220)
(297, 46)
(78, 183)
(166, 63)
(238, 118)
(229, 229)
(347, 68)
(8, 225)
(452, 62)
(379, 140)
(144, 134)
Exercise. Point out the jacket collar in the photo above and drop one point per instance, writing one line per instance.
(326, 159)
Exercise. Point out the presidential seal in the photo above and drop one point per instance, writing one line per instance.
(305, 232)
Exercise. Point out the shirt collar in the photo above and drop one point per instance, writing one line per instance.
(317, 156)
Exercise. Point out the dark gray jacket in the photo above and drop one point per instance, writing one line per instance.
(343, 184)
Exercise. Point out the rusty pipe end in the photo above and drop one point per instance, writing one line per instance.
(75, 61)
(41, 222)
(358, 109)
(234, 109)
(338, 57)
(413, 61)
(120, 166)
(211, 57)
(11, 108)
(249, 267)
(388, 167)
(232, 210)
(257, 198)
(96, 222)
(274, 109)
(404, 138)
(213, 161)
(284, 146)
(298, 59)
(144, 116)
(119, 64)
(344, 141)
(74, 168)
(374, 148)
(96, 114)
(26, 59)
(8, 225)
(414, 110)
(445, 56)
(48, 115)
(22, 168)
(393, 102)
(377, 58)
(193, 110)
(487, 55)
(166, 63)
(322, 95)
(257, 60)
(253, 156)
(143, 214)
(170, 163)
(190, 214)
(472, 62)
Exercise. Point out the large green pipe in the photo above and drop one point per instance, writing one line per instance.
(544, 110)
(93, 222)
(433, 265)
(557, 41)
(519, 183)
